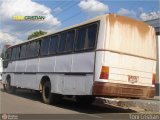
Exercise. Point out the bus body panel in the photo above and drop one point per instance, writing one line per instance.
(69, 74)
(61, 84)
(83, 62)
(21, 66)
(81, 85)
(47, 64)
(76, 63)
(32, 66)
(122, 66)
(133, 37)
(11, 67)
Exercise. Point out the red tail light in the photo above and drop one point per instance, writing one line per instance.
(153, 79)
(104, 72)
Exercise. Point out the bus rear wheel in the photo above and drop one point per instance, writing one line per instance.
(48, 97)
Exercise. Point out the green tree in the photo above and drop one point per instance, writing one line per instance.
(36, 34)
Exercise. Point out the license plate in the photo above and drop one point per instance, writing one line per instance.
(133, 79)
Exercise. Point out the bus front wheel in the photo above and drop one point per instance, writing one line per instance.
(8, 88)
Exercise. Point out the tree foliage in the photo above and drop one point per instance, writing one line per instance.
(36, 34)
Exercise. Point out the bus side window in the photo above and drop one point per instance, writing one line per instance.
(32, 49)
(53, 44)
(17, 52)
(27, 50)
(70, 41)
(23, 51)
(8, 55)
(91, 36)
(44, 46)
(37, 47)
(62, 42)
(80, 40)
(13, 56)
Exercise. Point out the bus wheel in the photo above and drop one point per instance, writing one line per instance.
(46, 92)
(8, 88)
(85, 100)
(48, 97)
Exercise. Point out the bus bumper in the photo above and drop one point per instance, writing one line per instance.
(122, 90)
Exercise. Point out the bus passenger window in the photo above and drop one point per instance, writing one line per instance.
(8, 55)
(44, 46)
(23, 51)
(36, 49)
(53, 44)
(28, 51)
(32, 49)
(70, 41)
(17, 52)
(81, 36)
(62, 42)
(91, 36)
(13, 56)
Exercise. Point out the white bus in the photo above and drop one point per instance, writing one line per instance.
(109, 55)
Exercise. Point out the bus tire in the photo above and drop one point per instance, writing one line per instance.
(48, 97)
(8, 88)
(85, 100)
(46, 92)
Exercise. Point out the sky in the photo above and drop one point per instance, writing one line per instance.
(63, 13)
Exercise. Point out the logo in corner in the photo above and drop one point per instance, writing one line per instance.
(4, 116)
